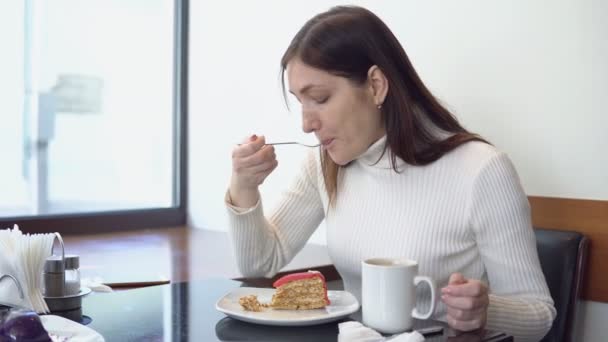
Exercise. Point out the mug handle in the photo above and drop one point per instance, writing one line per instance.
(431, 283)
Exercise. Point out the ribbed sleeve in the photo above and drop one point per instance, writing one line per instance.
(262, 246)
(519, 303)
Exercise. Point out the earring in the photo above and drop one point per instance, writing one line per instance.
(379, 106)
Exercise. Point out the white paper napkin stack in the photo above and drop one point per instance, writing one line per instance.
(23, 257)
(353, 331)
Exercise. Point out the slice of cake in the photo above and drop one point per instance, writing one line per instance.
(300, 291)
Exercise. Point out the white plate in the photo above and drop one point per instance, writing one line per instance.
(64, 329)
(342, 304)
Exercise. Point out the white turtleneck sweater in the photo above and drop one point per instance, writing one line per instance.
(466, 212)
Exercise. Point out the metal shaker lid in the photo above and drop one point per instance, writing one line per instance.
(72, 261)
(54, 264)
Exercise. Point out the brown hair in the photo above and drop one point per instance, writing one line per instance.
(346, 41)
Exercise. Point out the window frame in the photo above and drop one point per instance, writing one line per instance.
(130, 219)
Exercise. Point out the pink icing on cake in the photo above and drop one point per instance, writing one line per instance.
(302, 275)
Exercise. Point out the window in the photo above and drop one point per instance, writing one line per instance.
(93, 114)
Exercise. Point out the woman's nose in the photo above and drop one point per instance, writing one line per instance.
(310, 122)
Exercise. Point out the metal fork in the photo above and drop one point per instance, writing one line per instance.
(291, 143)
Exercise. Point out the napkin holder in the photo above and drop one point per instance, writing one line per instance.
(17, 284)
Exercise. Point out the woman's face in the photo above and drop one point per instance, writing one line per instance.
(344, 116)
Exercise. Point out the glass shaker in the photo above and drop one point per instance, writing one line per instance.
(72, 275)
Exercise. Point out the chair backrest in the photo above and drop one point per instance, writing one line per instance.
(562, 257)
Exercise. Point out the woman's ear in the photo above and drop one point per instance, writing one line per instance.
(378, 84)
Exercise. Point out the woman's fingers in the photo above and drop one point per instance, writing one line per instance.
(263, 155)
(465, 315)
(249, 147)
(471, 288)
(457, 279)
(251, 163)
(264, 167)
(469, 325)
(465, 303)
(249, 139)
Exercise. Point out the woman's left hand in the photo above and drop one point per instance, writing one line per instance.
(466, 301)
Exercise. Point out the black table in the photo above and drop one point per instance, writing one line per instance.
(186, 312)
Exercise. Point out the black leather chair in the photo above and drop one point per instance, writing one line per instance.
(562, 258)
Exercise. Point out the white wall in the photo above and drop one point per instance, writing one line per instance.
(531, 76)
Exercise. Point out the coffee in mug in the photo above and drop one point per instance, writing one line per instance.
(388, 294)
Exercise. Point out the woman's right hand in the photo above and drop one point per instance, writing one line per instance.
(252, 162)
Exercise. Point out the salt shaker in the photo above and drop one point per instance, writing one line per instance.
(53, 277)
(72, 275)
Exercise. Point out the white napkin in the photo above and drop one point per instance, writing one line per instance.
(63, 329)
(23, 256)
(353, 331)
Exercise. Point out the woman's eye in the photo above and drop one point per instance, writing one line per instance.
(322, 100)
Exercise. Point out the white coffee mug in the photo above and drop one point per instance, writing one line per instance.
(389, 294)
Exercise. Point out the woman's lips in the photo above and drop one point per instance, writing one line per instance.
(327, 142)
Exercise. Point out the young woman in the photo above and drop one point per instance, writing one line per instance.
(396, 175)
